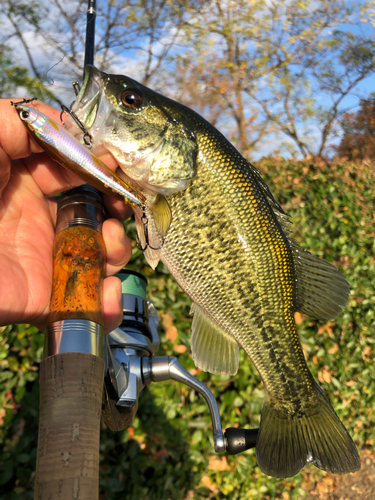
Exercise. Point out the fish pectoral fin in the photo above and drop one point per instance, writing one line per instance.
(321, 291)
(288, 441)
(213, 350)
(162, 215)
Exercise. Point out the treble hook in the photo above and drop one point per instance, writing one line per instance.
(144, 220)
(25, 101)
(87, 138)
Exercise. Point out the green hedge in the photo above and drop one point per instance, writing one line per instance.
(168, 452)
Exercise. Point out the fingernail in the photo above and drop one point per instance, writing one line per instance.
(119, 291)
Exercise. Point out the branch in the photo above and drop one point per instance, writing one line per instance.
(22, 40)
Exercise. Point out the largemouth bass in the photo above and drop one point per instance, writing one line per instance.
(229, 247)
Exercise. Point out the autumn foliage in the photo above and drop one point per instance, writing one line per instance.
(358, 141)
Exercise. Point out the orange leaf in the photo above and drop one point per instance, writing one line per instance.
(324, 376)
(171, 333)
(298, 318)
(208, 484)
(167, 320)
(216, 463)
(180, 348)
(333, 349)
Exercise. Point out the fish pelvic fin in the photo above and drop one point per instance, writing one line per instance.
(287, 442)
(213, 350)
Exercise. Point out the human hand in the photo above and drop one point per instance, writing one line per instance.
(27, 222)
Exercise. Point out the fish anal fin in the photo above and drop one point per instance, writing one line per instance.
(213, 350)
(288, 441)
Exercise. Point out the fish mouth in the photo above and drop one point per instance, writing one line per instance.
(86, 106)
(97, 109)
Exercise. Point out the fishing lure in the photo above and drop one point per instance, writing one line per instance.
(71, 154)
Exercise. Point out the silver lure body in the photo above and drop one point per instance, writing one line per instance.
(71, 154)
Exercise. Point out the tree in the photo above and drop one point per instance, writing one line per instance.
(358, 140)
(14, 77)
(281, 66)
(259, 70)
(142, 30)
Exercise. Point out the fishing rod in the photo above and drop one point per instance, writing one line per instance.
(72, 371)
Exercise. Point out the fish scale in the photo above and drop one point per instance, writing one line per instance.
(227, 243)
(270, 286)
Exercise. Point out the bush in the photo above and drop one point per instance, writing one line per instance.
(168, 452)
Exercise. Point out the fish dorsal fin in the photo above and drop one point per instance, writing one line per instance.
(213, 350)
(321, 291)
(276, 207)
(162, 215)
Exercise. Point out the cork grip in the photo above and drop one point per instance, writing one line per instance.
(71, 386)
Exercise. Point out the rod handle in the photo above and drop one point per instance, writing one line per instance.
(71, 386)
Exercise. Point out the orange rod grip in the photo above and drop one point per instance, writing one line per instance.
(78, 271)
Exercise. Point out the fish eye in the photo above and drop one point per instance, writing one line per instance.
(131, 99)
(24, 115)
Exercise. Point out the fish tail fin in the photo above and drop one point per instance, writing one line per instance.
(287, 442)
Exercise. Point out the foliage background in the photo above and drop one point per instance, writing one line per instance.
(168, 451)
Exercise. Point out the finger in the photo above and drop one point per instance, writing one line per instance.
(50, 177)
(12, 127)
(117, 244)
(117, 208)
(112, 307)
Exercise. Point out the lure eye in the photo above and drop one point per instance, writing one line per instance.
(131, 99)
(24, 115)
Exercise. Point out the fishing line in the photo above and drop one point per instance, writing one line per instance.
(87, 138)
(50, 80)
